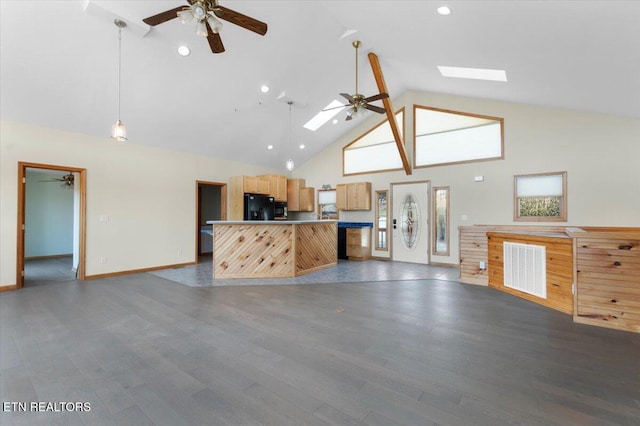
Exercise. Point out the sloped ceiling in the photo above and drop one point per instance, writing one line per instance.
(59, 66)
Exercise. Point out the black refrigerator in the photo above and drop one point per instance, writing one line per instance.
(259, 207)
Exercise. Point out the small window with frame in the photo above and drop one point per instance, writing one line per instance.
(540, 197)
(440, 232)
(382, 224)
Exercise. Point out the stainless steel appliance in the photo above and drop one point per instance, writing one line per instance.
(280, 211)
(258, 207)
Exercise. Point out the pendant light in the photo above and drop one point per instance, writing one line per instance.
(289, 164)
(118, 130)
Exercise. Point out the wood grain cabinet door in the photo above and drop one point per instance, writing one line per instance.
(264, 185)
(250, 184)
(358, 243)
(341, 196)
(307, 199)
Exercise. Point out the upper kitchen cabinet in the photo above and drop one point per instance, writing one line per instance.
(252, 184)
(353, 196)
(299, 197)
(278, 186)
(238, 186)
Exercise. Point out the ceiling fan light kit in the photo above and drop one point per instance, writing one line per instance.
(207, 14)
(118, 130)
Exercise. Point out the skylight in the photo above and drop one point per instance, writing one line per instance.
(473, 73)
(325, 115)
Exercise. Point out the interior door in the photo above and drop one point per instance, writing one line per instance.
(211, 204)
(410, 222)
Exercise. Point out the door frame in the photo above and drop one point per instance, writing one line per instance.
(391, 218)
(223, 209)
(22, 184)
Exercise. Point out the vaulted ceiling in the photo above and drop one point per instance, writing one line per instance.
(59, 66)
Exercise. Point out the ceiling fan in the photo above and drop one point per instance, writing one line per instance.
(67, 180)
(357, 101)
(207, 14)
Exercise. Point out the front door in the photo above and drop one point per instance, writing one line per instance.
(410, 222)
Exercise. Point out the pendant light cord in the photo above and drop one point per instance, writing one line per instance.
(290, 104)
(119, 66)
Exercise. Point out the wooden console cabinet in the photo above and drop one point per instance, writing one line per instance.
(607, 278)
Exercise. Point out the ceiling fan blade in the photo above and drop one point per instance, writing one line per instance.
(215, 42)
(163, 17)
(335, 107)
(241, 20)
(374, 108)
(348, 96)
(376, 97)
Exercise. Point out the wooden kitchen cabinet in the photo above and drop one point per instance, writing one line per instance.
(256, 185)
(278, 186)
(299, 197)
(238, 186)
(353, 196)
(341, 196)
(249, 184)
(358, 243)
(293, 194)
(307, 199)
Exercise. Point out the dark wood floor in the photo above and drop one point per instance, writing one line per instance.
(48, 270)
(145, 350)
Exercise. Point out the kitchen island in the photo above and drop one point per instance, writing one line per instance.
(272, 249)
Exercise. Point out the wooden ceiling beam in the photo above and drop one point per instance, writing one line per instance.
(382, 88)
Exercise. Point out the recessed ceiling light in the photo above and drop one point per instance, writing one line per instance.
(473, 73)
(264, 88)
(302, 146)
(444, 10)
(269, 147)
(184, 51)
(325, 115)
(335, 121)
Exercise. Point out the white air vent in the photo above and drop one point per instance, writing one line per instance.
(525, 268)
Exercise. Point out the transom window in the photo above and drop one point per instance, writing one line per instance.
(448, 137)
(375, 151)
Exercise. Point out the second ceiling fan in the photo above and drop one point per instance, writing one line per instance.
(357, 101)
(207, 14)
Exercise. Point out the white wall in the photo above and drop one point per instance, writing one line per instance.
(148, 195)
(600, 153)
(48, 216)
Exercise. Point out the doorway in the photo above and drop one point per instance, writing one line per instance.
(51, 253)
(410, 222)
(211, 204)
